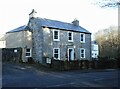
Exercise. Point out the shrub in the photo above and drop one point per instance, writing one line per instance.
(30, 60)
(104, 64)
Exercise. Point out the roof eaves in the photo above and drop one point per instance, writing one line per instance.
(21, 28)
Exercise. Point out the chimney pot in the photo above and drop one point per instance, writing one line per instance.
(76, 22)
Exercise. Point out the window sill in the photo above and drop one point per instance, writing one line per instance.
(56, 40)
(70, 40)
(57, 58)
(82, 42)
(28, 56)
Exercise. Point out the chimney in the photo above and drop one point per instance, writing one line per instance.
(76, 22)
(31, 15)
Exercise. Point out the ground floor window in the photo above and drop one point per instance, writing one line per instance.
(82, 53)
(28, 52)
(56, 53)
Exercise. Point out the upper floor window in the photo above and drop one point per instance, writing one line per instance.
(70, 36)
(82, 37)
(56, 53)
(56, 35)
(28, 52)
(82, 53)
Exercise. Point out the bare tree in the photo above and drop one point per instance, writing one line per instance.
(108, 42)
(107, 3)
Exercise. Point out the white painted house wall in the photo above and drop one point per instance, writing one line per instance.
(2, 41)
(95, 50)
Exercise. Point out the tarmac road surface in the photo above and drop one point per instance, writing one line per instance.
(27, 76)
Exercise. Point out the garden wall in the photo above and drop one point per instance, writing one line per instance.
(11, 54)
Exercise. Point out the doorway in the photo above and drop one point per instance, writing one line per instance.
(70, 54)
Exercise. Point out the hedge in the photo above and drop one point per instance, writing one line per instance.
(83, 64)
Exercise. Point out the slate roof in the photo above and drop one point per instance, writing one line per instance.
(94, 42)
(61, 25)
(21, 28)
(53, 24)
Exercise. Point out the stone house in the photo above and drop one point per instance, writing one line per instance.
(44, 38)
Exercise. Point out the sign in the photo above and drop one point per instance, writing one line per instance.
(48, 61)
(15, 50)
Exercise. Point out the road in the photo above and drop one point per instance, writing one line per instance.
(15, 75)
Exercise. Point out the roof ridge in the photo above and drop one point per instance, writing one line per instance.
(54, 20)
(61, 25)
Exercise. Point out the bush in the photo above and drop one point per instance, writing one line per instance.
(104, 64)
(83, 64)
(57, 64)
(30, 60)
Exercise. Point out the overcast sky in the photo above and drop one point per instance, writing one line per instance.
(15, 13)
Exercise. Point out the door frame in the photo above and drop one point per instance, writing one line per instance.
(72, 54)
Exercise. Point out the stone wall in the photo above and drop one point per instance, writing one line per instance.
(37, 40)
(11, 54)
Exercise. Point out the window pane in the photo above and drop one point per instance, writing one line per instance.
(82, 55)
(70, 38)
(82, 35)
(55, 50)
(27, 54)
(55, 36)
(81, 39)
(56, 32)
(70, 34)
(27, 50)
(56, 55)
(82, 51)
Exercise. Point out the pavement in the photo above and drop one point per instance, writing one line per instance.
(31, 75)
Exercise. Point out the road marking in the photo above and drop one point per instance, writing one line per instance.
(61, 74)
(50, 74)
(84, 84)
(22, 68)
(58, 85)
(110, 69)
(99, 79)
(91, 84)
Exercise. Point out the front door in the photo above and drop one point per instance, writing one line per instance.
(70, 54)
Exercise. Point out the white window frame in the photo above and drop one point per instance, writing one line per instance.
(71, 37)
(28, 52)
(83, 37)
(58, 53)
(54, 35)
(82, 53)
